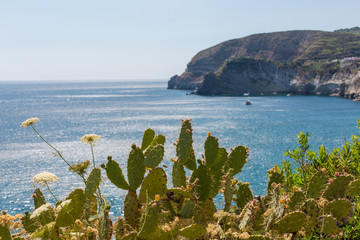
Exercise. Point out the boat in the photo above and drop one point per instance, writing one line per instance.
(248, 102)
(289, 94)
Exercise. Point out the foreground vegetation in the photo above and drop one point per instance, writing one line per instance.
(316, 196)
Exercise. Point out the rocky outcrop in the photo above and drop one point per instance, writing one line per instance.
(301, 62)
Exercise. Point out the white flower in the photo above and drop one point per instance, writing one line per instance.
(44, 178)
(30, 122)
(63, 204)
(90, 138)
(43, 208)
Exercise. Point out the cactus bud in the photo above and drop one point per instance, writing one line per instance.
(331, 180)
(157, 197)
(221, 191)
(246, 160)
(285, 206)
(323, 169)
(133, 146)
(188, 130)
(281, 201)
(173, 160)
(294, 188)
(209, 134)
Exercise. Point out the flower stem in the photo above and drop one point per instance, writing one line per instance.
(92, 151)
(51, 192)
(57, 151)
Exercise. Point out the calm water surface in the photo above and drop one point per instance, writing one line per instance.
(121, 111)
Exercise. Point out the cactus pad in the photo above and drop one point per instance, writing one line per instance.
(237, 159)
(204, 184)
(178, 175)
(187, 209)
(211, 150)
(154, 183)
(147, 138)
(135, 167)
(154, 157)
(353, 188)
(30, 224)
(291, 222)
(316, 185)
(311, 208)
(193, 231)
(93, 181)
(131, 209)
(337, 188)
(329, 225)
(191, 162)
(38, 197)
(149, 221)
(296, 200)
(114, 173)
(77, 198)
(340, 208)
(185, 142)
(243, 194)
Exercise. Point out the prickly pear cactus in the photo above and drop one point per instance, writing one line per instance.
(337, 188)
(184, 145)
(311, 208)
(316, 185)
(275, 176)
(30, 224)
(211, 150)
(191, 161)
(237, 159)
(296, 200)
(353, 188)
(329, 225)
(178, 175)
(148, 137)
(131, 209)
(93, 181)
(193, 231)
(340, 209)
(204, 213)
(114, 173)
(188, 208)
(154, 157)
(291, 222)
(243, 194)
(135, 167)
(149, 221)
(154, 183)
(39, 198)
(203, 185)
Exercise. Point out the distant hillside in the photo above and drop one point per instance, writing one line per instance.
(304, 55)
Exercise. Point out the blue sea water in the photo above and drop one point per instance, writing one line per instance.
(121, 111)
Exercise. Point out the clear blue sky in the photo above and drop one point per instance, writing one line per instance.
(144, 39)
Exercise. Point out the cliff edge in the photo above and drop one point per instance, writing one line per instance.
(300, 62)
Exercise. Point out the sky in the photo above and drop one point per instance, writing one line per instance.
(142, 39)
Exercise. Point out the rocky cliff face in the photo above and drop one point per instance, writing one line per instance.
(301, 62)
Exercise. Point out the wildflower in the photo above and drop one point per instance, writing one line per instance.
(30, 122)
(63, 204)
(44, 178)
(78, 223)
(90, 138)
(40, 210)
(5, 219)
(90, 230)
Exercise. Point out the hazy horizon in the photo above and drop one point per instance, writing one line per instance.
(120, 40)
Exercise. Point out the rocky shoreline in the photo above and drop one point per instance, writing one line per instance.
(219, 71)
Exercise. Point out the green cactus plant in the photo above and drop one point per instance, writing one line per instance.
(149, 220)
(193, 231)
(154, 183)
(211, 150)
(114, 173)
(291, 222)
(316, 185)
(39, 198)
(131, 209)
(339, 208)
(329, 226)
(154, 157)
(148, 137)
(296, 200)
(243, 194)
(353, 189)
(93, 181)
(135, 167)
(184, 145)
(337, 188)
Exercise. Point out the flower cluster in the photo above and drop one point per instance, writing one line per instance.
(90, 138)
(44, 178)
(30, 122)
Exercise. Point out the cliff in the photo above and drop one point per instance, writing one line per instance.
(301, 62)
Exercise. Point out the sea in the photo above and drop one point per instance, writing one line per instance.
(121, 111)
